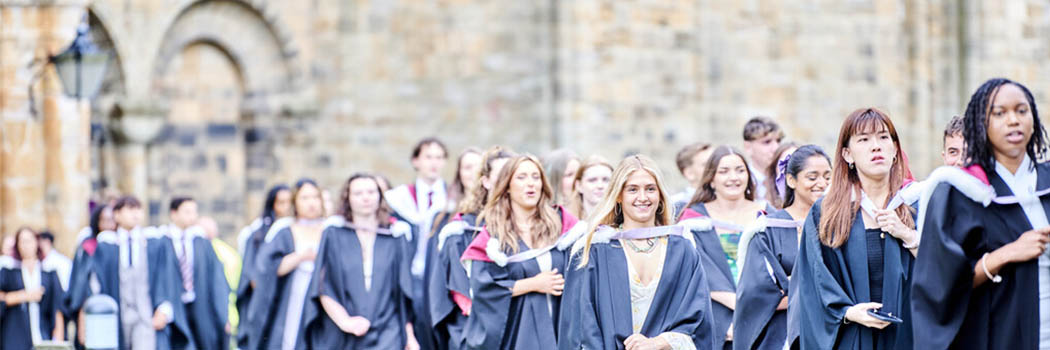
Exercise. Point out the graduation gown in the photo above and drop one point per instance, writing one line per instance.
(601, 307)
(948, 312)
(340, 275)
(832, 280)
(757, 324)
(716, 270)
(498, 320)
(165, 283)
(209, 311)
(270, 300)
(14, 319)
(244, 285)
(449, 286)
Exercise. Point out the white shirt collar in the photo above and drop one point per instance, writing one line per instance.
(1025, 173)
(437, 200)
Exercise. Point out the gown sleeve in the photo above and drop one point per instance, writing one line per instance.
(943, 271)
(491, 305)
(762, 285)
(822, 300)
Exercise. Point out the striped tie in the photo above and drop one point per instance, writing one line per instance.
(184, 266)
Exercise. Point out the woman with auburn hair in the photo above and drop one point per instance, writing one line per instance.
(32, 307)
(449, 285)
(858, 245)
(516, 264)
(641, 282)
(362, 280)
(982, 279)
(721, 215)
(589, 186)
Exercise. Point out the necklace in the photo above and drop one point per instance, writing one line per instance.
(648, 241)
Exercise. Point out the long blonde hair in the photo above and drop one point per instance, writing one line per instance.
(610, 211)
(545, 224)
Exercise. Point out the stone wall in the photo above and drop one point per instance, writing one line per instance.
(220, 99)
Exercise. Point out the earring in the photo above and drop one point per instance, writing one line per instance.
(850, 166)
(617, 210)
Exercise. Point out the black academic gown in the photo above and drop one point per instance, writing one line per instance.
(447, 276)
(718, 275)
(948, 312)
(340, 275)
(499, 321)
(209, 312)
(165, 285)
(833, 279)
(439, 340)
(14, 320)
(269, 305)
(601, 308)
(756, 323)
(244, 285)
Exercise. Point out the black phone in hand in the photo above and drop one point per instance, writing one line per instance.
(884, 316)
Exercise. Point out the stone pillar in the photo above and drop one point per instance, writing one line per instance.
(136, 123)
(34, 175)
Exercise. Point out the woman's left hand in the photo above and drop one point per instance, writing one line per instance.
(890, 223)
(640, 342)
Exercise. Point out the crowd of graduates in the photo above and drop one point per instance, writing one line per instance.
(780, 245)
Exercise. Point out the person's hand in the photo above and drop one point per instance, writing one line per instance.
(34, 295)
(308, 254)
(859, 314)
(890, 223)
(1030, 245)
(160, 320)
(640, 342)
(356, 325)
(549, 282)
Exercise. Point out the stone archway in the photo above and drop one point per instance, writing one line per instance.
(219, 67)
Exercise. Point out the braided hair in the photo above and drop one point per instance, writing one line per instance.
(979, 150)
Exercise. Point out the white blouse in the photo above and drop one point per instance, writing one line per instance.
(297, 299)
(31, 281)
(642, 296)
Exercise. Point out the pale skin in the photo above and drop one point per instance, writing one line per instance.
(430, 162)
(27, 248)
(809, 185)
(364, 204)
(952, 155)
(639, 200)
(1010, 128)
(526, 185)
(873, 155)
(695, 171)
(592, 186)
(309, 205)
(762, 149)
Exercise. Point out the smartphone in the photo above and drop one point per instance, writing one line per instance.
(879, 314)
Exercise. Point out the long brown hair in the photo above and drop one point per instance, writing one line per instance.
(609, 211)
(382, 214)
(545, 223)
(838, 211)
(458, 190)
(575, 203)
(706, 192)
(474, 201)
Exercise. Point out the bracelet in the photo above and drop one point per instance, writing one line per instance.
(912, 246)
(993, 278)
